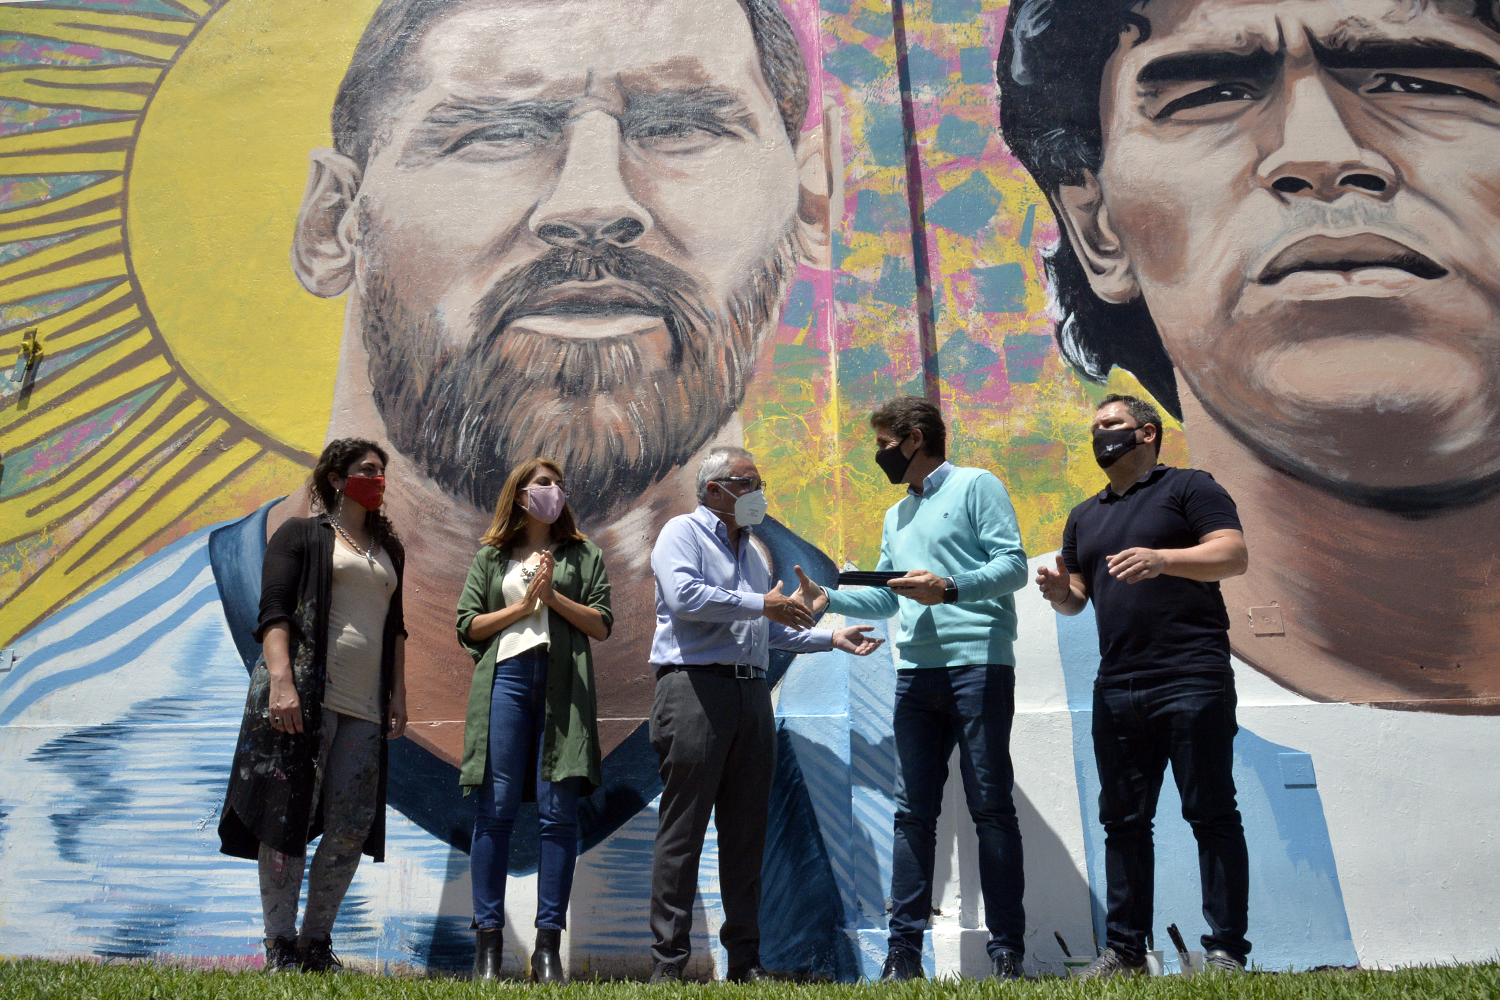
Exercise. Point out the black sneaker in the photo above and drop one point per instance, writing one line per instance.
(1006, 964)
(901, 963)
(665, 973)
(1111, 964)
(1219, 960)
(318, 956)
(281, 956)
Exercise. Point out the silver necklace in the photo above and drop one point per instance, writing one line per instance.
(369, 553)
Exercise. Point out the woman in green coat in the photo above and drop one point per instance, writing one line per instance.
(536, 594)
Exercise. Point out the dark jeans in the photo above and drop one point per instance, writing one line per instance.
(517, 711)
(716, 738)
(1138, 727)
(936, 709)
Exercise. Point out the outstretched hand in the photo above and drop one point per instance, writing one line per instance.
(787, 609)
(810, 593)
(853, 640)
(1055, 584)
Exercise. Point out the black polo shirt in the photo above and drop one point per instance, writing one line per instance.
(1167, 625)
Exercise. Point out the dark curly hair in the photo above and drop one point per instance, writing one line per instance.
(1050, 72)
(904, 414)
(338, 458)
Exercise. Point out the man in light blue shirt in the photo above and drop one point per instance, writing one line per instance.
(712, 724)
(955, 536)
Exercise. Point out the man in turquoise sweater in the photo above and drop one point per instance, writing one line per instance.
(955, 536)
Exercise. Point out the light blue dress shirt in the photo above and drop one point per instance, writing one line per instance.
(710, 600)
(933, 481)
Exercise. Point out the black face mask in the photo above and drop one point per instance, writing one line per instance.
(1111, 445)
(892, 462)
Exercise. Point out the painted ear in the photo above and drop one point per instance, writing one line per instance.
(323, 245)
(820, 177)
(1092, 234)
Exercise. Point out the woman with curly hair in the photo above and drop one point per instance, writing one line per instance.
(329, 689)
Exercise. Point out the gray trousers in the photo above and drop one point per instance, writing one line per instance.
(716, 738)
(349, 782)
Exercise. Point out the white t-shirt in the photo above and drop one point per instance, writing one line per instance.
(529, 631)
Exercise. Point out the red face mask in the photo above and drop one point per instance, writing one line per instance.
(367, 491)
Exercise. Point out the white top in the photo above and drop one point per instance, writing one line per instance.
(357, 610)
(527, 632)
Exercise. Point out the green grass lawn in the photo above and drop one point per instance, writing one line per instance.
(28, 979)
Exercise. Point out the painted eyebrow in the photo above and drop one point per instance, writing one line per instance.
(1393, 53)
(708, 106)
(1185, 67)
(456, 112)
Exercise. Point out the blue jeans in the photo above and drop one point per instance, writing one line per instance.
(1138, 727)
(936, 709)
(518, 709)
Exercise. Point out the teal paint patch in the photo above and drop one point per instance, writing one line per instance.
(960, 354)
(841, 251)
(926, 68)
(17, 249)
(21, 191)
(967, 208)
(856, 363)
(897, 285)
(976, 66)
(31, 467)
(846, 288)
(885, 134)
(14, 315)
(144, 8)
(25, 50)
(955, 11)
(976, 381)
(1025, 354)
(20, 118)
(855, 65)
(957, 137)
(880, 213)
(834, 6)
(1027, 225)
(800, 305)
(873, 22)
(1001, 289)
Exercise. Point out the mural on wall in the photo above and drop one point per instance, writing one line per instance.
(1282, 218)
(620, 233)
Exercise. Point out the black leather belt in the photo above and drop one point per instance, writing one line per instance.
(732, 671)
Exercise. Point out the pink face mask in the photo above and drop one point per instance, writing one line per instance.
(545, 503)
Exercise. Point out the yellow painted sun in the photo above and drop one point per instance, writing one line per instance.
(215, 186)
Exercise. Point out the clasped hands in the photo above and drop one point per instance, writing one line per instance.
(797, 610)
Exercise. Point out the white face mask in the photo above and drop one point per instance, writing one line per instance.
(750, 509)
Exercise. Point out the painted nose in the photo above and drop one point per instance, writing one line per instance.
(590, 204)
(1320, 156)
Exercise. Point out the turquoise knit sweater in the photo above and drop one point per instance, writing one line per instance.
(966, 529)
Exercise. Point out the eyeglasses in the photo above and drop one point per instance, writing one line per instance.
(752, 482)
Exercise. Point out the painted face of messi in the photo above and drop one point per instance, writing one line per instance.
(573, 238)
(1307, 195)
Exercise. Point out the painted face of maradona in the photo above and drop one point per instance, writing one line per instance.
(572, 240)
(1307, 195)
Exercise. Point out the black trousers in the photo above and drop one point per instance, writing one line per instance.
(716, 738)
(1138, 727)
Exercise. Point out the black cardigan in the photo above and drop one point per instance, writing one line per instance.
(270, 793)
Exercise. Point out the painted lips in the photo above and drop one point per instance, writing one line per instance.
(1347, 254)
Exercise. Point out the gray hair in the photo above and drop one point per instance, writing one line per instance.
(716, 466)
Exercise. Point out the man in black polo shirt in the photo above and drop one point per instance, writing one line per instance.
(1149, 551)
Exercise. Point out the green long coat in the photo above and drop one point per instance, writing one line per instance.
(570, 736)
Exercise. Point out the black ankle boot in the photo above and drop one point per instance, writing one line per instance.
(546, 963)
(489, 946)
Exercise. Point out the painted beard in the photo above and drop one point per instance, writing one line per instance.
(617, 420)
